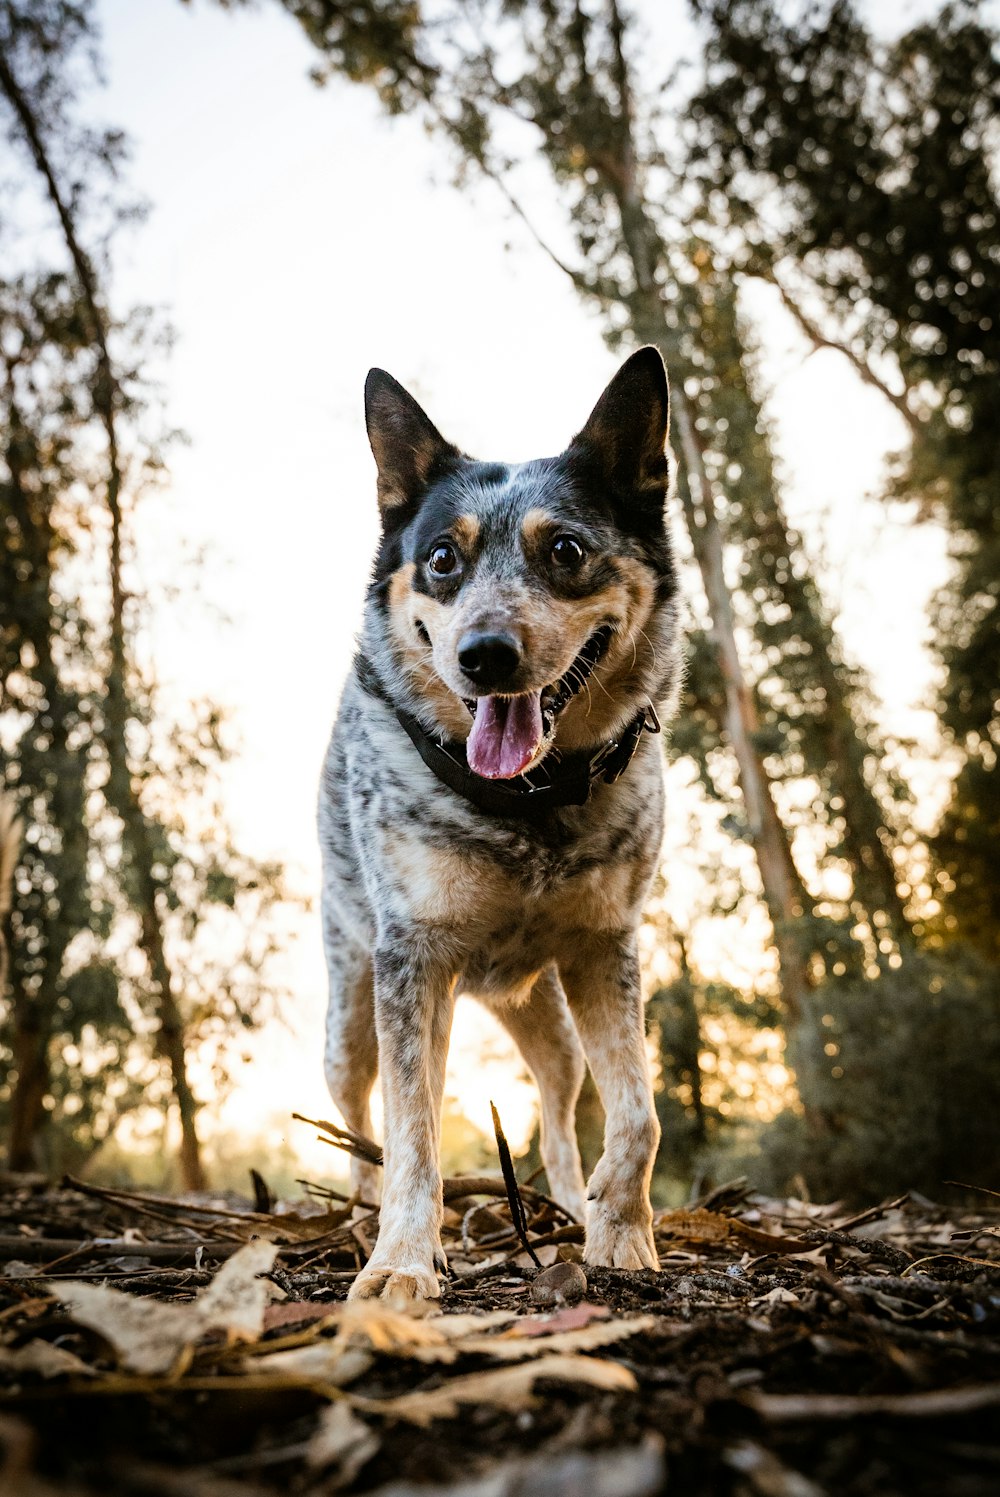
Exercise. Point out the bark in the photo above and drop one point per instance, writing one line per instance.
(30, 1050)
(784, 894)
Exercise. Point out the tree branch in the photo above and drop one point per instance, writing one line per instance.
(819, 339)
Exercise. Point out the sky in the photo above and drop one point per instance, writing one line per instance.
(296, 238)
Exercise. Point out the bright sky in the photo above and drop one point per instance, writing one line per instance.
(297, 238)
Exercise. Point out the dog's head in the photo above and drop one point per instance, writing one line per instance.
(530, 603)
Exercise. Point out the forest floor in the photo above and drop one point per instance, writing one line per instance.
(200, 1346)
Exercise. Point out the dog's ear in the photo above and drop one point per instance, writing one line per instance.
(627, 430)
(407, 445)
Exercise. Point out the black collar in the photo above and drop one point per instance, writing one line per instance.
(560, 780)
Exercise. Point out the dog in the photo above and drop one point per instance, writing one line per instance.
(491, 805)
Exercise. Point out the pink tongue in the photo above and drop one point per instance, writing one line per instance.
(505, 735)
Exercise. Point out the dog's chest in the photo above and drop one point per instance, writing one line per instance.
(511, 916)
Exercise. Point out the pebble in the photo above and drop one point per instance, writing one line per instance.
(562, 1284)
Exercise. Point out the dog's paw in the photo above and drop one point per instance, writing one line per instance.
(407, 1287)
(615, 1243)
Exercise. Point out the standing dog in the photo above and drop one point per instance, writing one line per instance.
(491, 809)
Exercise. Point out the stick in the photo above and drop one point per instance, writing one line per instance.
(345, 1138)
(513, 1193)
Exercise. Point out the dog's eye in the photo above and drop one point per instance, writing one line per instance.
(567, 551)
(443, 559)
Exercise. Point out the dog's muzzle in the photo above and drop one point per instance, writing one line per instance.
(508, 731)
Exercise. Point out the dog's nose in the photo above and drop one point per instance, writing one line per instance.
(489, 659)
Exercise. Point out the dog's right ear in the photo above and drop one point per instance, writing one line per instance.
(408, 447)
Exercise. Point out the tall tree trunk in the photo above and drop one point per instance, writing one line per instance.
(783, 890)
(32, 1012)
(30, 1050)
(30, 1047)
(784, 894)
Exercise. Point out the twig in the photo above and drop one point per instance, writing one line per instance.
(517, 1214)
(345, 1138)
(932, 1402)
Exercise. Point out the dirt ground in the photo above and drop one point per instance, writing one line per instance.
(201, 1346)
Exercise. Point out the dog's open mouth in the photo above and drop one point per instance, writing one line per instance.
(507, 732)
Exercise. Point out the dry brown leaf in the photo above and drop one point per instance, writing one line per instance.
(512, 1347)
(296, 1312)
(15, 1268)
(570, 1318)
(150, 1338)
(237, 1297)
(303, 1228)
(330, 1362)
(44, 1359)
(704, 1226)
(391, 1331)
(510, 1388)
(147, 1337)
(341, 1439)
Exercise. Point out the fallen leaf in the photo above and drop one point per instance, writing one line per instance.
(237, 1297)
(147, 1337)
(704, 1226)
(571, 1318)
(303, 1228)
(151, 1338)
(510, 1388)
(391, 1331)
(296, 1312)
(341, 1439)
(329, 1362)
(43, 1358)
(510, 1347)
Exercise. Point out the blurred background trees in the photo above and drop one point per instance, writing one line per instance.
(125, 888)
(798, 158)
(857, 177)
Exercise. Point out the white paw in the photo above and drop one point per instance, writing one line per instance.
(615, 1243)
(400, 1286)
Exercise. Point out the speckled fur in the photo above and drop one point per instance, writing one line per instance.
(423, 895)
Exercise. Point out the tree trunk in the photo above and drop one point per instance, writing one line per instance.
(170, 1036)
(27, 1109)
(783, 891)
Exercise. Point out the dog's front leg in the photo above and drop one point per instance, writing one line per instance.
(602, 985)
(414, 1000)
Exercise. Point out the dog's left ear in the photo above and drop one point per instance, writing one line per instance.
(405, 442)
(627, 430)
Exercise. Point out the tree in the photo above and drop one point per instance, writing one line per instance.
(859, 178)
(123, 847)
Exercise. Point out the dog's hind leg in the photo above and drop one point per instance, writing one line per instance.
(544, 1032)
(351, 1054)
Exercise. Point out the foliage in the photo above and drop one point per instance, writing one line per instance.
(138, 927)
(860, 178)
(899, 1083)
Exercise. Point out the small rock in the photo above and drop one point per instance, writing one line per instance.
(562, 1284)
